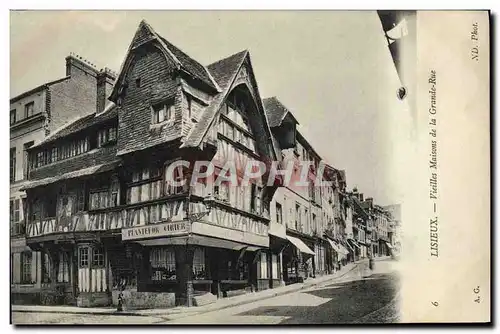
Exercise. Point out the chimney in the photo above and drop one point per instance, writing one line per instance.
(77, 65)
(370, 200)
(361, 197)
(105, 81)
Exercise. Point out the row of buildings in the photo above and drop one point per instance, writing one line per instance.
(93, 213)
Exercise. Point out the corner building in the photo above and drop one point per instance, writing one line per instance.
(104, 217)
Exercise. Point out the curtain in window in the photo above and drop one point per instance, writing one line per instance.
(63, 268)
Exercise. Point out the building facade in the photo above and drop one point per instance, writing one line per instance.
(34, 115)
(144, 199)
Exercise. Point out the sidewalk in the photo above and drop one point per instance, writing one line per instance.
(182, 310)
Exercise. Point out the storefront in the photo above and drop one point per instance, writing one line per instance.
(191, 259)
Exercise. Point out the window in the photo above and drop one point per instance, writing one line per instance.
(26, 258)
(15, 216)
(138, 82)
(297, 217)
(162, 264)
(83, 257)
(12, 164)
(263, 265)
(279, 214)
(256, 203)
(99, 200)
(63, 268)
(25, 158)
(98, 257)
(163, 112)
(306, 217)
(29, 109)
(12, 116)
(314, 223)
(46, 268)
(40, 159)
(105, 136)
(199, 271)
(80, 200)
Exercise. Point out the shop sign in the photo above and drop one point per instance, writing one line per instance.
(157, 230)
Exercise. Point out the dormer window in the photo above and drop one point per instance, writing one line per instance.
(163, 112)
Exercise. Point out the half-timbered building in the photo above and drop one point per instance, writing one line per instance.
(101, 205)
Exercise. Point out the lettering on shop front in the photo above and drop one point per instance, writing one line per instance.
(173, 228)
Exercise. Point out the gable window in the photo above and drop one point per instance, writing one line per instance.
(12, 116)
(12, 164)
(29, 109)
(163, 112)
(138, 82)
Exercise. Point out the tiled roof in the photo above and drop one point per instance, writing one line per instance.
(80, 124)
(275, 111)
(224, 72)
(71, 175)
(189, 64)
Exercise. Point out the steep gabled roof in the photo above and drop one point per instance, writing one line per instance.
(190, 65)
(145, 33)
(224, 71)
(276, 111)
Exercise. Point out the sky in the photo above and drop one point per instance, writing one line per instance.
(332, 69)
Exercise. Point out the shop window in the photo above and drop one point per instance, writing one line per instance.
(26, 260)
(162, 264)
(263, 265)
(46, 268)
(199, 271)
(97, 257)
(83, 257)
(63, 268)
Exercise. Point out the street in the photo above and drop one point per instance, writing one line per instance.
(351, 299)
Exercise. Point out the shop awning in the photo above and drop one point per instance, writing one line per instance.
(199, 241)
(350, 247)
(354, 243)
(300, 245)
(334, 245)
(277, 230)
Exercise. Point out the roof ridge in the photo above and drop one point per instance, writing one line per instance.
(228, 57)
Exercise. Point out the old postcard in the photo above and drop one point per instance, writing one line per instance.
(249, 167)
